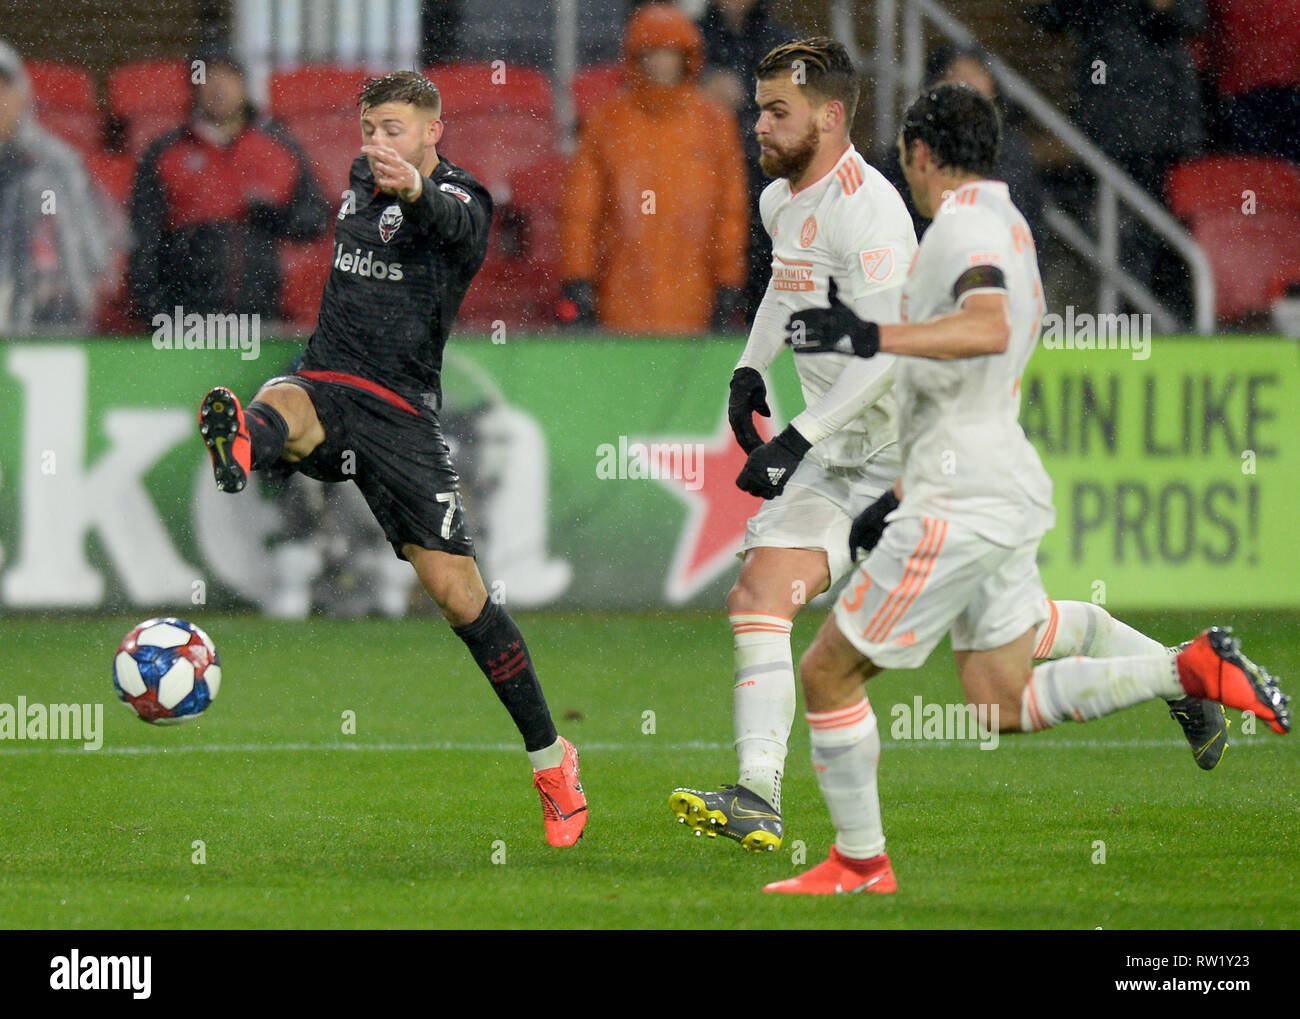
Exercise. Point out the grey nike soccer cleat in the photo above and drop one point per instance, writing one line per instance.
(732, 811)
(1205, 724)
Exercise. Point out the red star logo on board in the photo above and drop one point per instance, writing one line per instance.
(717, 511)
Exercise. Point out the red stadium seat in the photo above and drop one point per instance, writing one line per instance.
(1217, 183)
(482, 88)
(1249, 251)
(595, 85)
(63, 97)
(114, 173)
(318, 105)
(304, 267)
(153, 96)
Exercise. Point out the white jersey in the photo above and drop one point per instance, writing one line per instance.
(965, 456)
(852, 225)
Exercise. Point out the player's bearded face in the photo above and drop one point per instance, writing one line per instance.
(790, 159)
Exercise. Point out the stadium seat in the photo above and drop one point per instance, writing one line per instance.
(63, 97)
(594, 85)
(1216, 183)
(479, 88)
(1248, 250)
(318, 105)
(304, 267)
(152, 96)
(113, 173)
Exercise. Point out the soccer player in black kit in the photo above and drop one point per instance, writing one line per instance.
(363, 404)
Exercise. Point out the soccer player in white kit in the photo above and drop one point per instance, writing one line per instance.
(830, 215)
(831, 218)
(959, 554)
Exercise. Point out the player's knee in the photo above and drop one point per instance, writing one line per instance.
(815, 672)
(749, 594)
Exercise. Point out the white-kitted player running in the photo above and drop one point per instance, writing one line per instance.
(832, 219)
(959, 554)
(831, 216)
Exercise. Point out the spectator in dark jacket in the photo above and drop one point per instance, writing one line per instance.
(737, 35)
(1137, 94)
(1015, 165)
(211, 200)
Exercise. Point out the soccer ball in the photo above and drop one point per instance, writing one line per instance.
(166, 671)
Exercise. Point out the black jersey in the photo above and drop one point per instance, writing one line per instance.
(398, 275)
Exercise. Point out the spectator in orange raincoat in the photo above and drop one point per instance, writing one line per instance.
(655, 218)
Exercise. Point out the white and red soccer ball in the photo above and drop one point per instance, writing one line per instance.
(166, 670)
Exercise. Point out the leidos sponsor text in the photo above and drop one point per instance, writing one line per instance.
(368, 265)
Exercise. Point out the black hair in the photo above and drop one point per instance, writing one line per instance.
(961, 127)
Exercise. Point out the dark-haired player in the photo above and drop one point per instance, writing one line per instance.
(363, 406)
(960, 553)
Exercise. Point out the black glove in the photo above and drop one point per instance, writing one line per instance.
(577, 304)
(822, 330)
(725, 308)
(869, 525)
(769, 466)
(748, 394)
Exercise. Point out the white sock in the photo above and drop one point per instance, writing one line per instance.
(1082, 628)
(1087, 688)
(547, 757)
(845, 750)
(762, 701)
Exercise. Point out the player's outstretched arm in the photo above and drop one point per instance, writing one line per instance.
(980, 326)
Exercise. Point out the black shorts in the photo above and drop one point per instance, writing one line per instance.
(397, 457)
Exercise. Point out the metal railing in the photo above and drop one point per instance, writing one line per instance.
(898, 82)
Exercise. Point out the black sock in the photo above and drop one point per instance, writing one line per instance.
(499, 649)
(267, 433)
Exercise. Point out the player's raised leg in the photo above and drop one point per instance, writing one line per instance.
(500, 651)
(773, 585)
(1081, 628)
(845, 752)
(281, 422)
(1032, 699)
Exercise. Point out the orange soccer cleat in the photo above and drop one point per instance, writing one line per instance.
(564, 805)
(1213, 667)
(841, 875)
(221, 423)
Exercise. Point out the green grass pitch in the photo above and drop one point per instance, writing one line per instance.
(425, 817)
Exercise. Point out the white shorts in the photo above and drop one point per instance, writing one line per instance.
(817, 509)
(928, 577)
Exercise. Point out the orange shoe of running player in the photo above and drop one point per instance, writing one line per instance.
(564, 805)
(841, 876)
(1213, 667)
(221, 423)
